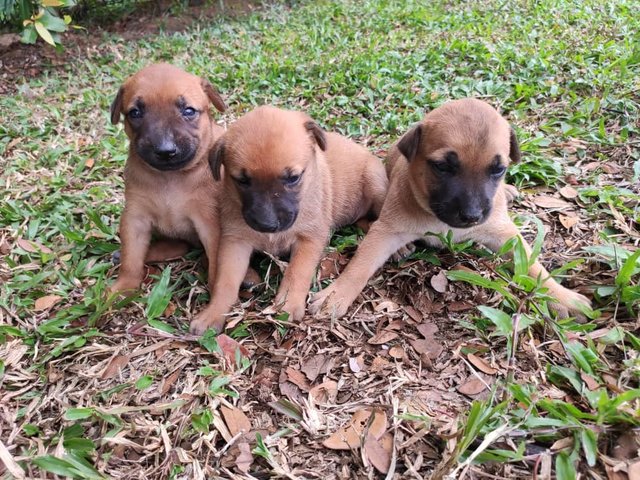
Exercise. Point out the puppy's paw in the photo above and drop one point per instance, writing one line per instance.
(125, 284)
(404, 252)
(204, 320)
(511, 192)
(330, 303)
(570, 304)
(295, 310)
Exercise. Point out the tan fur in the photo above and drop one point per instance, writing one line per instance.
(477, 132)
(339, 186)
(179, 206)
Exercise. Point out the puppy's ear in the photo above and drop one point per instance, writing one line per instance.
(116, 106)
(317, 133)
(216, 156)
(514, 149)
(410, 142)
(213, 95)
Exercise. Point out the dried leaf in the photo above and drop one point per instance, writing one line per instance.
(326, 392)
(472, 387)
(568, 192)
(562, 444)
(354, 365)
(546, 201)
(229, 346)
(430, 347)
(32, 247)
(288, 408)
(349, 436)
(244, 458)
(236, 420)
(168, 382)
(440, 282)
(592, 383)
(89, 163)
(46, 302)
(381, 337)
(481, 365)
(396, 352)
(568, 221)
(170, 310)
(329, 266)
(114, 366)
(316, 365)
(297, 378)
(427, 329)
(413, 313)
(387, 305)
(379, 452)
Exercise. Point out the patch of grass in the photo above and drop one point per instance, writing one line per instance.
(563, 73)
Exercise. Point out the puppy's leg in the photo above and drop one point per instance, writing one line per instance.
(233, 260)
(135, 234)
(292, 294)
(378, 245)
(209, 234)
(568, 301)
(166, 249)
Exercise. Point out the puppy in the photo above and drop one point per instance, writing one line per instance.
(169, 190)
(446, 173)
(286, 185)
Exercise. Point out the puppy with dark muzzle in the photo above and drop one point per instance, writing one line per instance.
(286, 184)
(446, 173)
(169, 190)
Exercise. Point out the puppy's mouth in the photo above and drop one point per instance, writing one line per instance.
(274, 225)
(166, 156)
(462, 218)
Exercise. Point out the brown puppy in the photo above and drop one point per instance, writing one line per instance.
(286, 185)
(446, 173)
(168, 183)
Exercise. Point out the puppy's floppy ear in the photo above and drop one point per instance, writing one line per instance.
(213, 95)
(216, 156)
(410, 142)
(116, 106)
(317, 133)
(514, 149)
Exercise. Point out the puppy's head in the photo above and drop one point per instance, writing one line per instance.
(166, 114)
(458, 157)
(270, 160)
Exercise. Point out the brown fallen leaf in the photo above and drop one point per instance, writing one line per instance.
(413, 313)
(427, 329)
(430, 347)
(379, 451)
(481, 365)
(381, 337)
(168, 382)
(387, 306)
(170, 310)
(562, 444)
(244, 458)
(350, 436)
(546, 201)
(32, 247)
(89, 163)
(568, 221)
(592, 383)
(229, 346)
(440, 282)
(46, 302)
(326, 392)
(396, 352)
(114, 366)
(329, 266)
(297, 378)
(236, 420)
(472, 387)
(355, 365)
(316, 365)
(568, 192)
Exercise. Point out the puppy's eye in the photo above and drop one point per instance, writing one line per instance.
(442, 168)
(292, 180)
(497, 170)
(243, 181)
(189, 112)
(135, 113)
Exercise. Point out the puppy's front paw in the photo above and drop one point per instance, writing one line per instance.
(570, 303)
(124, 284)
(206, 319)
(295, 310)
(404, 252)
(330, 303)
(511, 192)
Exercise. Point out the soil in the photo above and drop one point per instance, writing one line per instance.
(20, 62)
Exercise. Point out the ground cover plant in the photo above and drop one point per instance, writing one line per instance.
(450, 365)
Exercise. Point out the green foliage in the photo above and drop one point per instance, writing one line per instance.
(38, 18)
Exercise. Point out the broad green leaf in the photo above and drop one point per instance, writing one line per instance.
(565, 470)
(44, 33)
(500, 319)
(56, 465)
(160, 296)
(29, 34)
(144, 382)
(628, 268)
(589, 441)
(78, 413)
(160, 325)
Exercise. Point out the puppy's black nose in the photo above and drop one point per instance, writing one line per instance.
(471, 216)
(165, 150)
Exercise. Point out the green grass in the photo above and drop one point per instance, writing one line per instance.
(564, 73)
